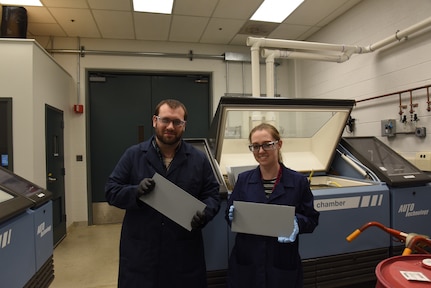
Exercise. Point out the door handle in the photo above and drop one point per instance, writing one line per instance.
(50, 178)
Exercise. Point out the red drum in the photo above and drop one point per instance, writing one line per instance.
(392, 272)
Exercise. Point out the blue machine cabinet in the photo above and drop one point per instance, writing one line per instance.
(329, 259)
(342, 211)
(29, 258)
(215, 239)
(26, 248)
(17, 251)
(43, 234)
(411, 210)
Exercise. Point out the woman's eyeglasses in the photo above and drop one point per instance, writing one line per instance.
(167, 121)
(265, 146)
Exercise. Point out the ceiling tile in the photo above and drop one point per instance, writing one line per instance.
(194, 8)
(187, 29)
(76, 22)
(194, 21)
(221, 31)
(337, 11)
(308, 33)
(257, 28)
(146, 30)
(65, 3)
(39, 15)
(239, 39)
(114, 24)
(289, 32)
(42, 29)
(236, 9)
(311, 12)
(120, 5)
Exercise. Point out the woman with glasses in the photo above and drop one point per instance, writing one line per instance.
(156, 252)
(262, 261)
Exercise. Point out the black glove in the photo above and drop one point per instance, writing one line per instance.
(198, 220)
(146, 186)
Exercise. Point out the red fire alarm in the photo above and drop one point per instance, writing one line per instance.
(78, 108)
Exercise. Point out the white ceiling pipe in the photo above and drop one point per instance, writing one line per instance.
(257, 43)
(271, 55)
(285, 54)
(399, 35)
(255, 73)
(292, 44)
(345, 49)
(270, 75)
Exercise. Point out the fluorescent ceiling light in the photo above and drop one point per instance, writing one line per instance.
(275, 10)
(153, 6)
(21, 2)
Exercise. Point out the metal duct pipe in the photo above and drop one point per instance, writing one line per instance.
(84, 52)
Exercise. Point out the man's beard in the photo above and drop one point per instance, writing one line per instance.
(172, 140)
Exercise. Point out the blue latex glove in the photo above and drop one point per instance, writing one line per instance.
(230, 214)
(292, 236)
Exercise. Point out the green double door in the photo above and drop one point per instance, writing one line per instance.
(121, 106)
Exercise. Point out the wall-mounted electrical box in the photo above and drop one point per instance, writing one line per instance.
(421, 131)
(423, 161)
(388, 127)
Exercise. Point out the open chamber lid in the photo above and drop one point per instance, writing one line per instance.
(202, 144)
(310, 130)
(387, 164)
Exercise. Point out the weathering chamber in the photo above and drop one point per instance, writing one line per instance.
(311, 130)
(409, 187)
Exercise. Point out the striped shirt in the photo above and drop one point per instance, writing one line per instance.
(268, 186)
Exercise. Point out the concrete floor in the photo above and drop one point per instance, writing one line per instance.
(87, 257)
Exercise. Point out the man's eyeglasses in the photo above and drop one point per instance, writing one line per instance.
(167, 121)
(265, 146)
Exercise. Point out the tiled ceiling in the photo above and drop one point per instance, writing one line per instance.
(192, 21)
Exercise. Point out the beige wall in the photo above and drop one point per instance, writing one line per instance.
(399, 66)
(30, 76)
